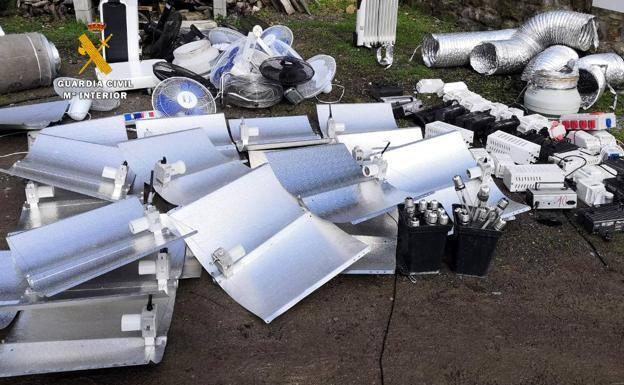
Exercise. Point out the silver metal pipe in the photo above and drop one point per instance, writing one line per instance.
(551, 59)
(453, 49)
(596, 73)
(572, 29)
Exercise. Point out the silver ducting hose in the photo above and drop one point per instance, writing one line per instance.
(453, 49)
(572, 29)
(552, 59)
(597, 72)
(28, 60)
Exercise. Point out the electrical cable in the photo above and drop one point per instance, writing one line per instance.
(572, 156)
(589, 242)
(387, 330)
(13, 154)
(334, 101)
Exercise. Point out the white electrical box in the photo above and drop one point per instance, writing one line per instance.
(593, 193)
(533, 122)
(551, 198)
(605, 138)
(585, 140)
(574, 160)
(501, 162)
(440, 128)
(519, 178)
(521, 151)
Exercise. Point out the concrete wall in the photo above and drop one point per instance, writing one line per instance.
(494, 14)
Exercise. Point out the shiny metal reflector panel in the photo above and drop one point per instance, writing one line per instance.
(33, 116)
(108, 131)
(193, 147)
(215, 126)
(61, 255)
(377, 141)
(278, 252)
(273, 133)
(75, 166)
(83, 335)
(363, 117)
(426, 169)
(331, 184)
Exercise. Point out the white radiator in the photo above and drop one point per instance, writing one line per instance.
(376, 22)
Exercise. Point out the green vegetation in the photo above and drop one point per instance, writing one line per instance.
(330, 31)
(63, 34)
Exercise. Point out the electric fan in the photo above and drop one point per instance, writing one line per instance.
(233, 60)
(288, 71)
(279, 48)
(222, 37)
(280, 32)
(251, 91)
(101, 104)
(324, 71)
(179, 96)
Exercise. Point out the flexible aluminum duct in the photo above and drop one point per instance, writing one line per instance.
(552, 59)
(596, 73)
(573, 29)
(453, 49)
(28, 60)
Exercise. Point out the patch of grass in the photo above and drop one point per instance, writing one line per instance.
(64, 34)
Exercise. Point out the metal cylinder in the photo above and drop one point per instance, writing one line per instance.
(596, 73)
(453, 49)
(572, 29)
(551, 59)
(27, 60)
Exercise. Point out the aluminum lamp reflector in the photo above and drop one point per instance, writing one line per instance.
(83, 335)
(108, 131)
(273, 133)
(75, 166)
(33, 116)
(376, 141)
(363, 117)
(287, 251)
(193, 147)
(215, 126)
(61, 255)
(409, 168)
(331, 184)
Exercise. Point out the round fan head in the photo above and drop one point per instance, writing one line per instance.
(279, 48)
(222, 37)
(288, 71)
(324, 72)
(252, 91)
(101, 104)
(178, 96)
(225, 62)
(280, 32)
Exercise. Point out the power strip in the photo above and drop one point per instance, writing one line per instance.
(441, 128)
(519, 178)
(589, 122)
(521, 151)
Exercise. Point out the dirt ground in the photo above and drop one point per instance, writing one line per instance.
(550, 312)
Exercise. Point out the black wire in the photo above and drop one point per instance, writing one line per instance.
(589, 242)
(385, 337)
(572, 156)
(385, 148)
(603, 167)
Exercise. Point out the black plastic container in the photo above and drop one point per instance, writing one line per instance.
(473, 249)
(420, 249)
